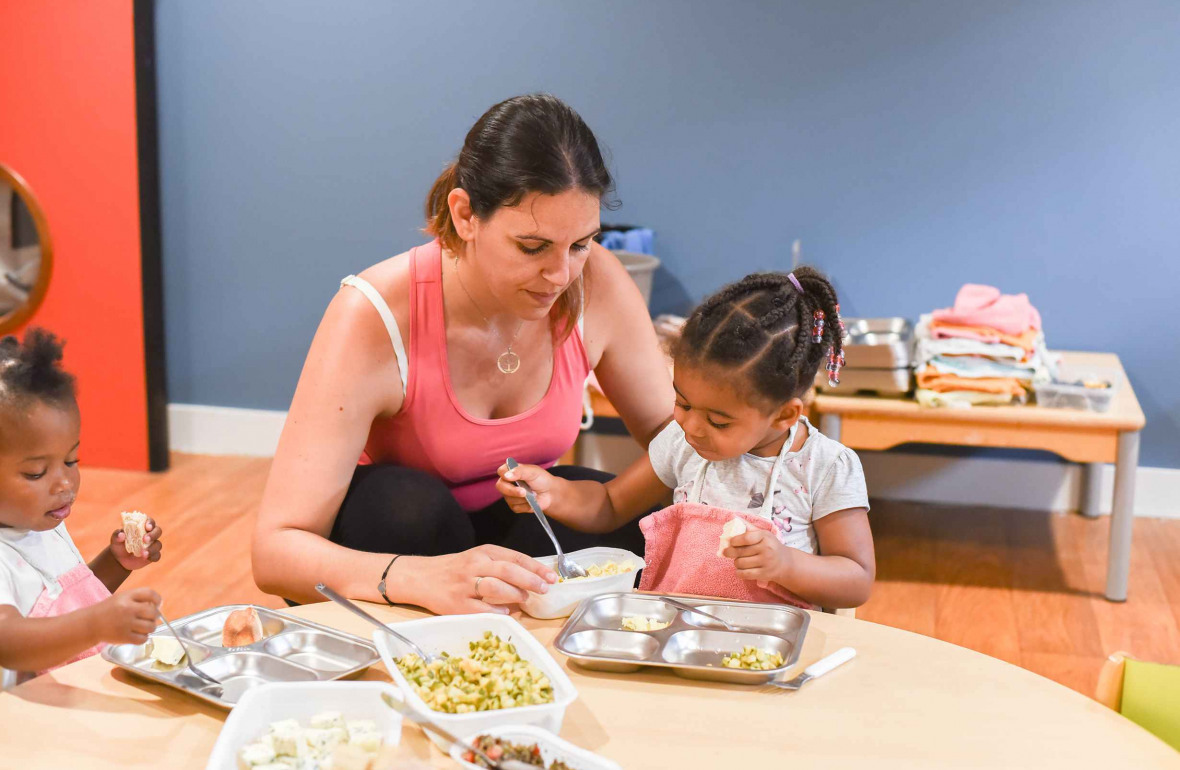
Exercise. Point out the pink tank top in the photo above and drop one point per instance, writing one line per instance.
(433, 432)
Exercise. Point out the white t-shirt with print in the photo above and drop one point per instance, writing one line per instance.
(823, 477)
(29, 563)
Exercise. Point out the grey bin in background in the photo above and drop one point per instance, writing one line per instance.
(642, 268)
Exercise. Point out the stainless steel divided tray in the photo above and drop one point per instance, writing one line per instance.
(692, 645)
(291, 650)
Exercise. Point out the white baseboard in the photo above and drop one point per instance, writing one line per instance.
(219, 430)
(224, 430)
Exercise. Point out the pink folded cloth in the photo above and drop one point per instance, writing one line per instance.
(681, 556)
(978, 305)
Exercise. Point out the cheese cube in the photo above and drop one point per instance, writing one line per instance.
(321, 742)
(327, 719)
(166, 650)
(370, 742)
(255, 754)
(285, 737)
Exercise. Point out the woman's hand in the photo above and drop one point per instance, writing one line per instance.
(151, 547)
(544, 484)
(483, 579)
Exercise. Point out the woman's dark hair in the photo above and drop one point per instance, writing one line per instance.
(32, 369)
(526, 144)
(763, 326)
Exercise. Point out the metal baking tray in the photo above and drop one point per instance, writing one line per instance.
(291, 650)
(878, 343)
(692, 646)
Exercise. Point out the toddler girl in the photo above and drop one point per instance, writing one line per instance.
(740, 447)
(54, 607)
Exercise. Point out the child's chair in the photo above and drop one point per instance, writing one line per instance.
(1146, 693)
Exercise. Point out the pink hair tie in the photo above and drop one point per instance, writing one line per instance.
(795, 281)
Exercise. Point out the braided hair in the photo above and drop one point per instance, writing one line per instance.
(32, 369)
(764, 327)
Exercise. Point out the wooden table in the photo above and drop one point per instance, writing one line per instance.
(906, 701)
(1091, 438)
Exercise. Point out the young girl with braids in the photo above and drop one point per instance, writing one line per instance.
(740, 447)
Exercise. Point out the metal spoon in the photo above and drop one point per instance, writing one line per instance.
(689, 608)
(188, 660)
(348, 605)
(426, 723)
(819, 668)
(566, 567)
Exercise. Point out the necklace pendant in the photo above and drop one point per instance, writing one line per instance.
(508, 362)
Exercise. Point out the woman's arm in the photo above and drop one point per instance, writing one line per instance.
(624, 350)
(350, 378)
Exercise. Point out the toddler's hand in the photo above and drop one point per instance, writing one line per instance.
(128, 617)
(541, 481)
(151, 547)
(759, 555)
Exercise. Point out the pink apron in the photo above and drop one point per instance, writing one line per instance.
(79, 589)
(682, 541)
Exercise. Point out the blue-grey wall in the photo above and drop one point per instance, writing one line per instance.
(912, 146)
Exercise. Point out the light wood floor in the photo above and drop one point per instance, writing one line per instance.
(1023, 586)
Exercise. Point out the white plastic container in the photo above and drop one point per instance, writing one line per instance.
(451, 634)
(562, 598)
(1063, 393)
(261, 706)
(553, 749)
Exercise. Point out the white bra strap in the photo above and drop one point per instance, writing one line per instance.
(395, 336)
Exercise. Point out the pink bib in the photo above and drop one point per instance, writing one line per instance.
(79, 589)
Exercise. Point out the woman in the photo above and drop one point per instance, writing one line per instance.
(437, 364)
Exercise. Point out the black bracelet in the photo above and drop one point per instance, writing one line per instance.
(381, 585)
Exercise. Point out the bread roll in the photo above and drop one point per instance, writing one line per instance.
(134, 524)
(241, 628)
(732, 529)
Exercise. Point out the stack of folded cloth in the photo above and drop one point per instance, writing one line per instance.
(987, 349)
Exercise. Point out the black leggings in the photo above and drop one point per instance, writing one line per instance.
(392, 509)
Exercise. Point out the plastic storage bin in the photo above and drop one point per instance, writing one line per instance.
(563, 597)
(641, 268)
(451, 633)
(1068, 392)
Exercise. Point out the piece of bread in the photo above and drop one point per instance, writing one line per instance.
(732, 529)
(241, 628)
(134, 524)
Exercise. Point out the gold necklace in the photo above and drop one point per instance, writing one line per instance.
(507, 362)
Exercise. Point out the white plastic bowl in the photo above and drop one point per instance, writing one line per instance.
(562, 598)
(451, 634)
(552, 748)
(261, 706)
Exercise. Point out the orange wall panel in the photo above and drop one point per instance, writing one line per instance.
(68, 126)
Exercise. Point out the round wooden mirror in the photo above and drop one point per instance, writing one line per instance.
(26, 253)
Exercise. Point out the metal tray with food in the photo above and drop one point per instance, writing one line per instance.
(624, 632)
(243, 647)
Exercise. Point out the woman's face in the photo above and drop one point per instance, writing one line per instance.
(528, 254)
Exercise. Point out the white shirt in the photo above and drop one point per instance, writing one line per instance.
(31, 562)
(823, 477)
